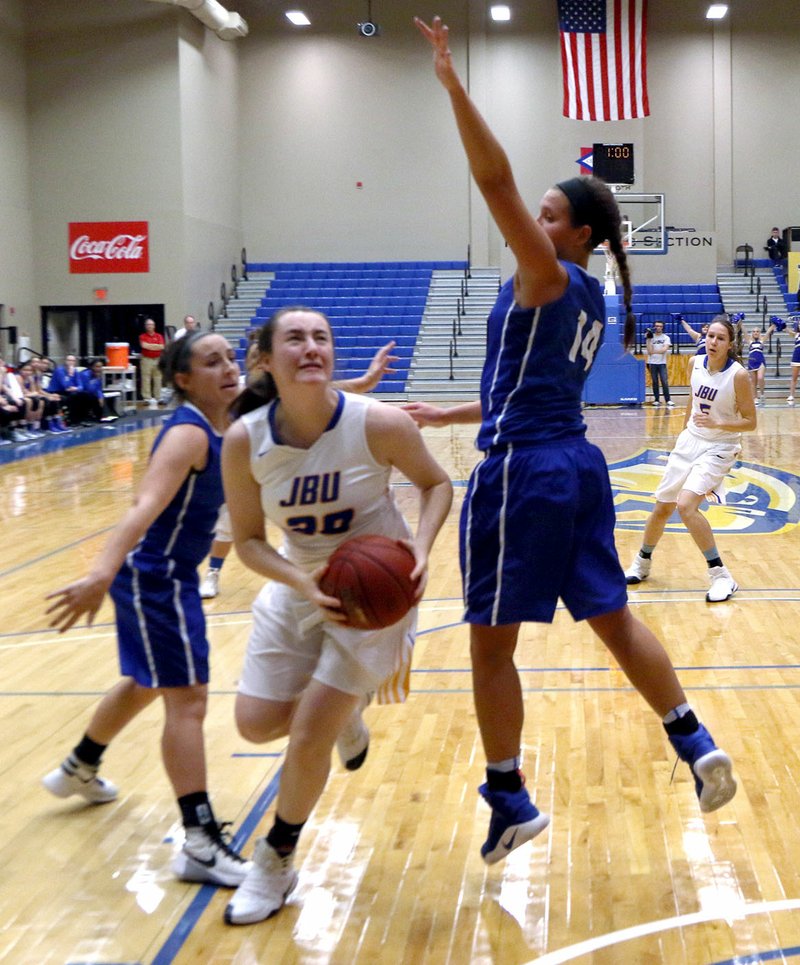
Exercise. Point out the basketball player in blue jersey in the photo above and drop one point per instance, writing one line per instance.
(719, 410)
(538, 518)
(795, 327)
(149, 567)
(316, 462)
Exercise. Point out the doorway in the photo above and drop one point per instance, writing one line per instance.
(83, 330)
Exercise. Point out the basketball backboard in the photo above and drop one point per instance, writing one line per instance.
(644, 224)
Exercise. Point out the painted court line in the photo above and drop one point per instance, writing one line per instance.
(665, 924)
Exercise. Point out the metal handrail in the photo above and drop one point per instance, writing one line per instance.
(452, 354)
(244, 264)
(454, 340)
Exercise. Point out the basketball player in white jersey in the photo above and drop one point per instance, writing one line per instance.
(316, 462)
(719, 410)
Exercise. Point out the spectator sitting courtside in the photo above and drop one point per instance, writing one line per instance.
(65, 382)
(12, 408)
(91, 380)
(46, 404)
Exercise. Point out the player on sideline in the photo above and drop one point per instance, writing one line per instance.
(538, 517)
(316, 462)
(149, 566)
(699, 338)
(756, 364)
(795, 327)
(719, 410)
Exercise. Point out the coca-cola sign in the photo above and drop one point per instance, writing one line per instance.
(108, 246)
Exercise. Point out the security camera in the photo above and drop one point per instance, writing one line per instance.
(368, 29)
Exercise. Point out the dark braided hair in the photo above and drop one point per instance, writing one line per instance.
(603, 217)
(263, 390)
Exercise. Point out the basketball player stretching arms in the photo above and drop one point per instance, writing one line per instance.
(538, 517)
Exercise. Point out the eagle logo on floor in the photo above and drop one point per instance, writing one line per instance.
(757, 499)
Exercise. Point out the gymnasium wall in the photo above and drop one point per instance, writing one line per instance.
(134, 117)
(16, 231)
(130, 110)
(338, 108)
(212, 238)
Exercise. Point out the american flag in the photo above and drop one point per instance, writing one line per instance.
(604, 59)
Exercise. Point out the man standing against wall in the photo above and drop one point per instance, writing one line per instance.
(151, 345)
(657, 345)
(189, 325)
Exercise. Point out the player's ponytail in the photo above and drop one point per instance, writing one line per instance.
(593, 203)
(262, 389)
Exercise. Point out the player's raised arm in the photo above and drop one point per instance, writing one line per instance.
(541, 278)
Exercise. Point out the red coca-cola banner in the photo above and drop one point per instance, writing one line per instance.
(108, 246)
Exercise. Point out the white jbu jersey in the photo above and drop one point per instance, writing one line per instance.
(323, 495)
(714, 393)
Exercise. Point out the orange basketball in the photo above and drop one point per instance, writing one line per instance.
(371, 577)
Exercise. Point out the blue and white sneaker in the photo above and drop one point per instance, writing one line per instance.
(515, 820)
(711, 768)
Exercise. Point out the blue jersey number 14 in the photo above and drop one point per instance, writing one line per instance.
(586, 343)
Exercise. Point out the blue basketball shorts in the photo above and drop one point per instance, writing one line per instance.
(538, 525)
(161, 629)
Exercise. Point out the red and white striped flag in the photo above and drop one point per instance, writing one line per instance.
(604, 59)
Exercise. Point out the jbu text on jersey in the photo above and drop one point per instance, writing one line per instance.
(706, 392)
(308, 490)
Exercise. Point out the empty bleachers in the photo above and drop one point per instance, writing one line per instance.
(368, 304)
(698, 304)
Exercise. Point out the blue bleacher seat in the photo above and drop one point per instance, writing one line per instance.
(368, 303)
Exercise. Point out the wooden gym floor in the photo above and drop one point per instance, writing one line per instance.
(629, 870)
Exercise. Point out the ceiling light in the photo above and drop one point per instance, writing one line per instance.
(500, 12)
(298, 18)
(717, 11)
